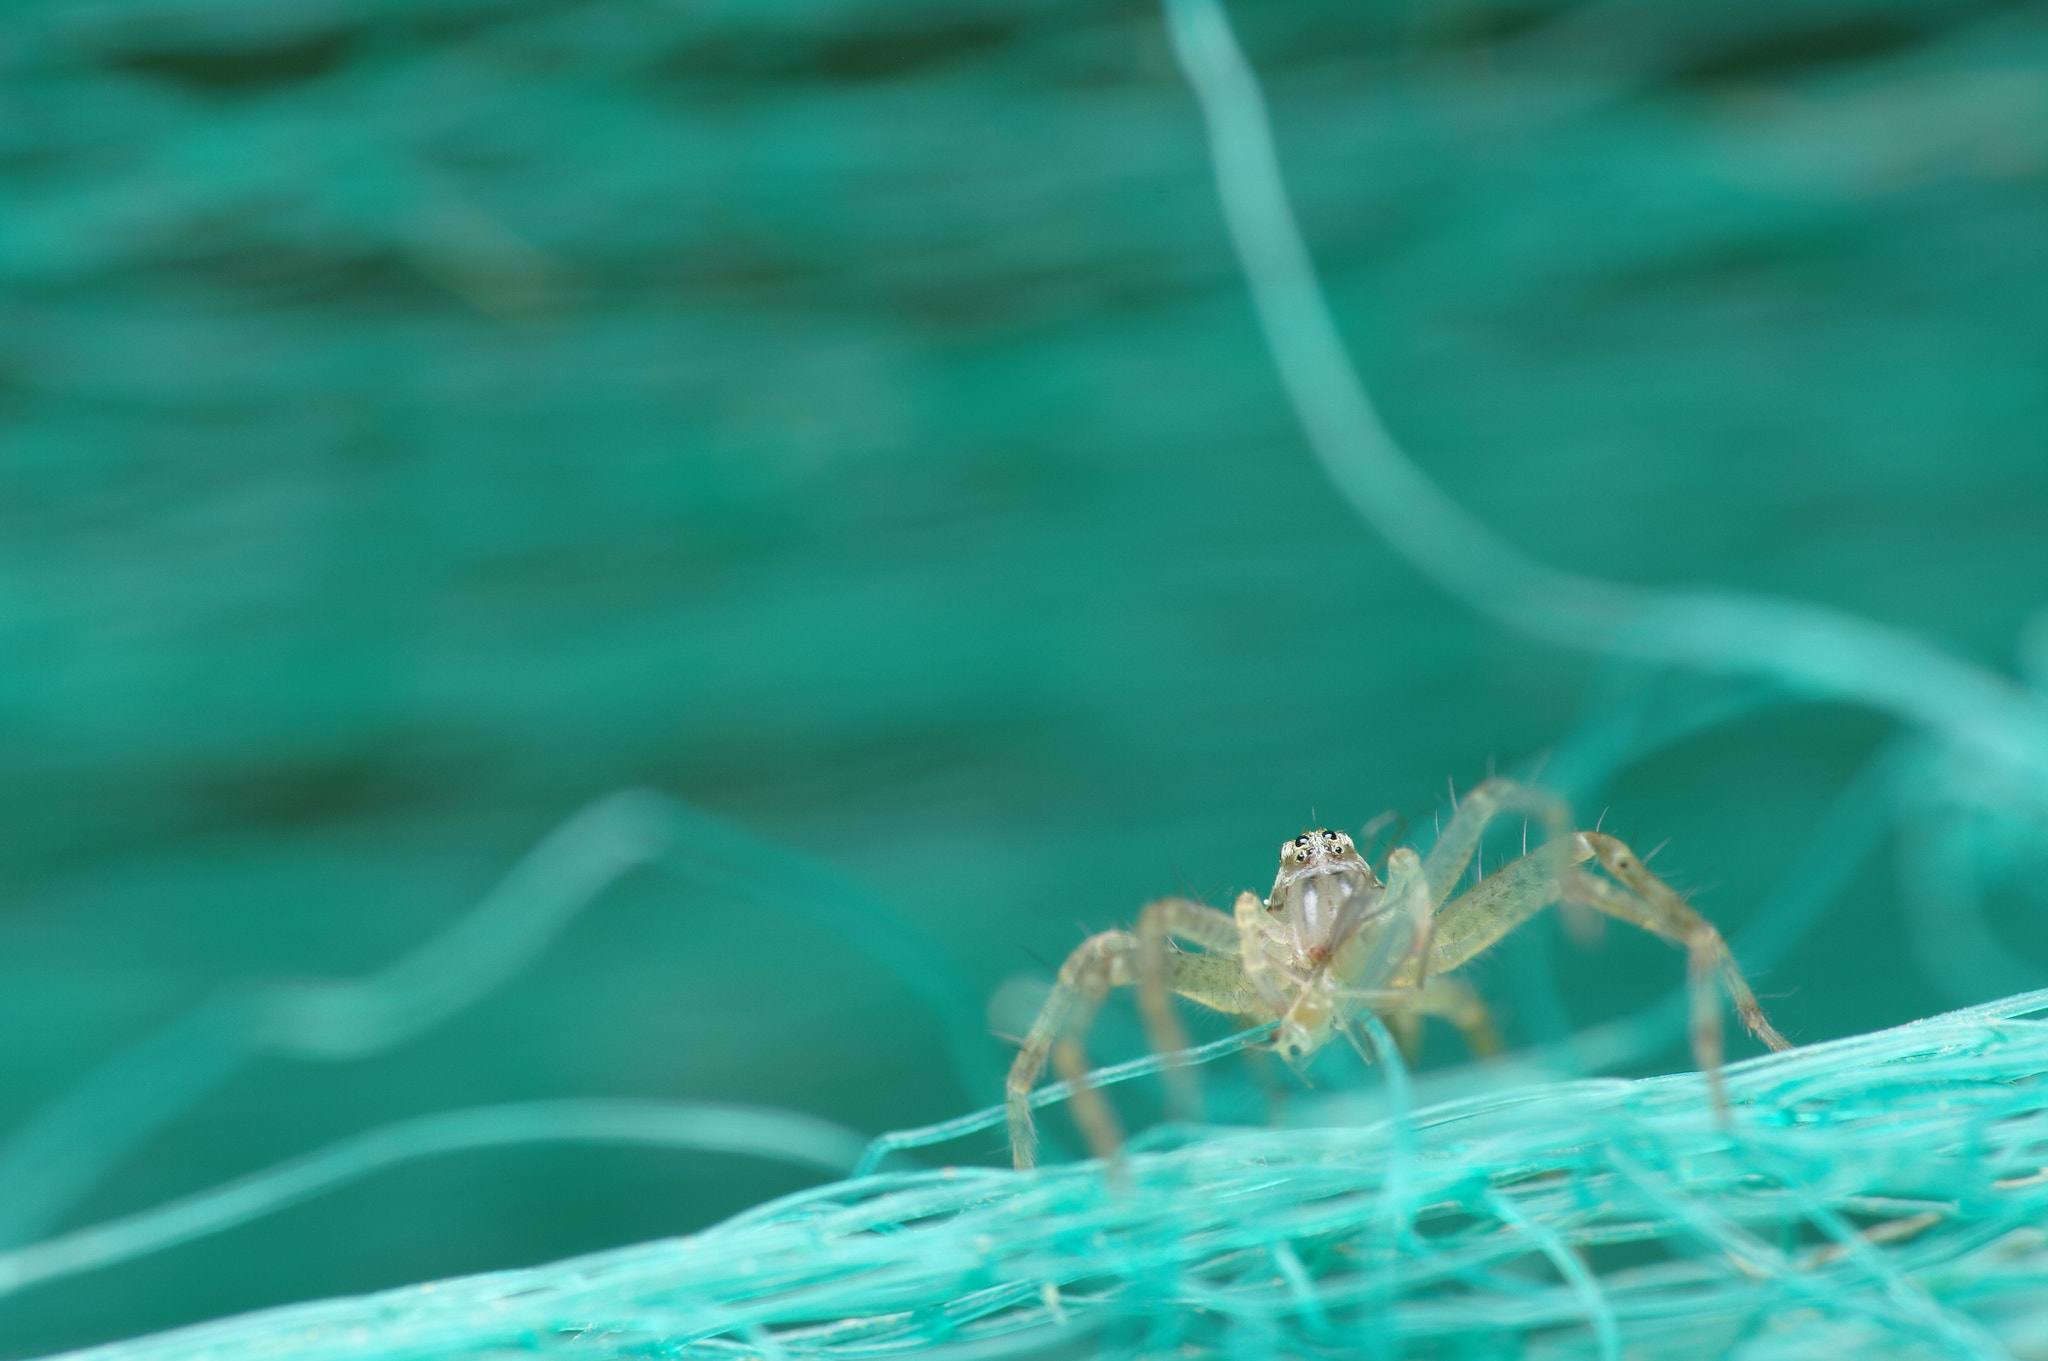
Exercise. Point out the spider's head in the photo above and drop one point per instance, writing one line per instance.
(1319, 852)
(1323, 886)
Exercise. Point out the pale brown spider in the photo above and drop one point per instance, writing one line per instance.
(1331, 941)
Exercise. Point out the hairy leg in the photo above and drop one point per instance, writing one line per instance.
(1476, 919)
(1524, 887)
(1672, 917)
(1451, 998)
(1655, 906)
(1249, 914)
(1455, 1001)
(1089, 970)
(1459, 839)
(1159, 924)
(1099, 963)
(1392, 948)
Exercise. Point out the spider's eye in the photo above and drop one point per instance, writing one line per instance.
(1300, 856)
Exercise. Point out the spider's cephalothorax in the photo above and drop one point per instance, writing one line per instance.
(1332, 941)
(1324, 887)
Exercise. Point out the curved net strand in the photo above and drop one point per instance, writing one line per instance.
(52, 1161)
(697, 1126)
(1807, 649)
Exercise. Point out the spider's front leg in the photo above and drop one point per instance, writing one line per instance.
(1453, 999)
(1505, 899)
(1377, 957)
(1222, 938)
(1459, 839)
(1655, 906)
(1111, 959)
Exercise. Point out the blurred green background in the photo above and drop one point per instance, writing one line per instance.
(420, 419)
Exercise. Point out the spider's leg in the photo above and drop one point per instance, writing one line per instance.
(1098, 964)
(1385, 952)
(1088, 970)
(1249, 913)
(1676, 920)
(1519, 890)
(1391, 947)
(1213, 980)
(1455, 1000)
(1655, 906)
(1451, 998)
(1405, 1024)
(1090, 1108)
(1459, 839)
(1216, 933)
(1476, 919)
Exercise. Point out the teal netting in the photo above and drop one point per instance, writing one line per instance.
(851, 417)
(1878, 1196)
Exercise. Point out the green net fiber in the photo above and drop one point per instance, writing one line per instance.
(924, 479)
(1875, 1196)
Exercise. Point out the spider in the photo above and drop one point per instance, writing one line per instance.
(1331, 940)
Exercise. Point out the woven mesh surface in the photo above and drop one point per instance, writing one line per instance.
(1877, 1196)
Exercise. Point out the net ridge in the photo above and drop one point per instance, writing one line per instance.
(1877, 1193)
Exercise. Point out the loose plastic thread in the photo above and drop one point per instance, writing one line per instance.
(52, 1162)
(1876, 1196)
(1805, 650)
